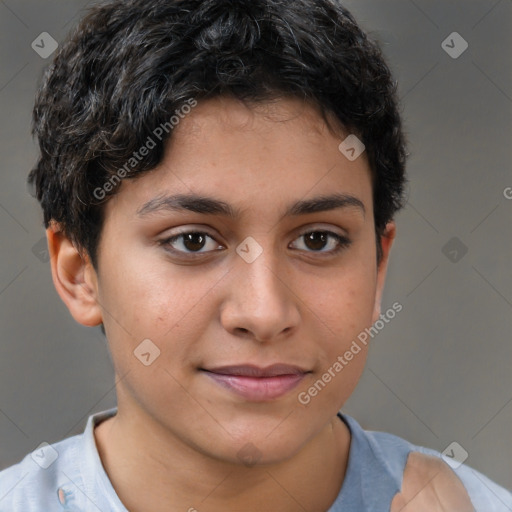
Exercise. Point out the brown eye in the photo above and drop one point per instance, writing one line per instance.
(194, 241)
(316, 241)
(190, 243)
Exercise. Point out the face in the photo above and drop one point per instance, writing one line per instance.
(248, 278)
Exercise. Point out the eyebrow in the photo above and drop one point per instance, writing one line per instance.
(211, 206)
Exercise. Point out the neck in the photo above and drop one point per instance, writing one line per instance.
(139, 458)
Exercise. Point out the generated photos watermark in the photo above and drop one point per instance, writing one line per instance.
(355, 348)
(137, 156)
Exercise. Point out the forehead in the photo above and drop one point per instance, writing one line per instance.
(262, 122)
(269, 153)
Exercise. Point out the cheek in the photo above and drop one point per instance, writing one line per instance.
(341, 347)
(343, 308)
(146, 297)
(344, 301)
(149, 294)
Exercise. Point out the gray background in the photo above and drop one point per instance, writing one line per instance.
(441, 370)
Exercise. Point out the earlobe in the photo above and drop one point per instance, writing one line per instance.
(387, 240)
(74, 278)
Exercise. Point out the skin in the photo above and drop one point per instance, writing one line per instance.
(177, 433)
(430, 485)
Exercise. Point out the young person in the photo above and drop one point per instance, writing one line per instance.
(219, 180)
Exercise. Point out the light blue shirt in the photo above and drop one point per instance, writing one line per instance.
(69, 476)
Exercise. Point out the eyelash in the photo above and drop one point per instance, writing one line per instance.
(342, 241)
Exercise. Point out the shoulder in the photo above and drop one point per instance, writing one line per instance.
(38, 481)
(427, 475)
(429, 484)
(424, 481)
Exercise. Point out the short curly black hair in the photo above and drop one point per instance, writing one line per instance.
(131, 64)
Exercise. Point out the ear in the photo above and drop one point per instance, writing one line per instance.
(386, 241)
(74, 278)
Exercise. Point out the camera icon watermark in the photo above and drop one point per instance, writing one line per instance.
(44, 45)
(249, 454)
(147, 352)
(507, 193)
(352, 148)
(454, 45)
(40, 250)
(249, 250)
(454, 250)
(454, 455)
(44, 455)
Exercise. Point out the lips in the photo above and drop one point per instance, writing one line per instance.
(257, 384)
(249, 370)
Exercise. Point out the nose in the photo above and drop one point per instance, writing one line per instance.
(261, 303)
